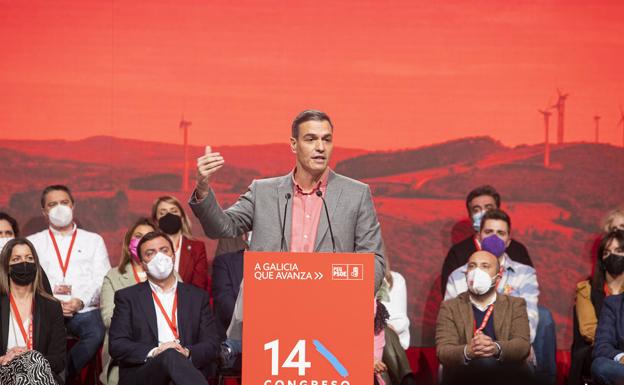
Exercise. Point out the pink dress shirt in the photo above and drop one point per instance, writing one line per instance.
(306, 213)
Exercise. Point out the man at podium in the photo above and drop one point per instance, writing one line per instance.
(311, 209)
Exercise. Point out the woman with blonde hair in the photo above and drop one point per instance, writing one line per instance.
(613, 221)
(190, 254)
(128, 273)
(32, 330)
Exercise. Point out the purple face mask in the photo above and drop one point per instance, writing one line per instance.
(494, 245)
(132, 246)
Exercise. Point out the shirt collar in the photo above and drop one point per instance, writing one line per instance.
(321, 185)
(58, 233)
(158, 290)
(507, 264)
(487, 304)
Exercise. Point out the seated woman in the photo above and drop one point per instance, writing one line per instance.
(393, 295)
(607, 280)
(190, 262)
(9, 229)
(32, 331)
(608, 354)
(128, 273)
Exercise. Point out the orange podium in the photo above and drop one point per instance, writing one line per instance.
(308, 318)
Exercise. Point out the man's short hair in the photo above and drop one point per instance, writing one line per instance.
(55, 187)
(496, 214)
(150, 236)
(12, 222)
(483, 190)
(306, 116)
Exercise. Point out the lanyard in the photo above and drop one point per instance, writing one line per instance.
(476, 242)
(58, 252)
(170, 321)
(27, 337)
(136, 275)
(486, 318)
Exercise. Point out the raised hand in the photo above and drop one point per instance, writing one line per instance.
(207, 165)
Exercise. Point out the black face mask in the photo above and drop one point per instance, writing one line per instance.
(614, 264)
(23, 274)
(170, 223)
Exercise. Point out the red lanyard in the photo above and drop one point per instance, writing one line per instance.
(58, 252)
(27, 337)
(486, 318)
(136, 275)
(170, 321)
(476, 243)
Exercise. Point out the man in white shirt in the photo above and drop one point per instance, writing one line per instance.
(75, 262)
(162, 330)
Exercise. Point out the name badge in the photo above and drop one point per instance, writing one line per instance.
(63, 292)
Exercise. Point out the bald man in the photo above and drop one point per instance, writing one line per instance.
(482, 328)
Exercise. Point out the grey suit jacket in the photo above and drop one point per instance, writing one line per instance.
(261, 210)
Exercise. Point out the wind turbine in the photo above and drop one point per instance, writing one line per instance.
(597, 128)
(622, 123)
(546, 113)
(560, 106)
(184, 125)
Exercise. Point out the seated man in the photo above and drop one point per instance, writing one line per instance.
(227, 275)
(608, 365)
(75, 261)
(478, 202)
(482, 328)
(162, 330)
(516, 279)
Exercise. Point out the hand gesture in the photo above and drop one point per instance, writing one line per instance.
(207, 165)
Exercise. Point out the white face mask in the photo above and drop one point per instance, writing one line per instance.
(4, 241)
(61, 215)
(479, 282)
(476, 220)
(160, 266)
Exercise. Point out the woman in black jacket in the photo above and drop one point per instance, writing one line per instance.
(32, 331)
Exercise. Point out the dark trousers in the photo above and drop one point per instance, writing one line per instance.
(490, 371)
(169, 367)
(606, 371)
(89, 329)
(545, 347)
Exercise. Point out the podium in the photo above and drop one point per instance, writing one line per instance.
(308, 318)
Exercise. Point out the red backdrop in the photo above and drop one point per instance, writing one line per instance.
(428, 100)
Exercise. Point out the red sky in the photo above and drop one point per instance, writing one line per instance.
(391, 74)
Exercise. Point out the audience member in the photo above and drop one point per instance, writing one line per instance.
(478, 202)
(32, 332)
(129, 272)
(9, 229)
(191, 262)
(607, 280)
(76, 262)
(162, 330)
(614, 221)
(482, 328)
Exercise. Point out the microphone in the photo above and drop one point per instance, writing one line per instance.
(319, 193)
(283, 243)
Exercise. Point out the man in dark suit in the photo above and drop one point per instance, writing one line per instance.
(608, 364)
(478, 201)
(162, 330)
(227, 274)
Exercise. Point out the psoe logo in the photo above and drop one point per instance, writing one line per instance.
(356, 272)
(349, 272)
(340, 271)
